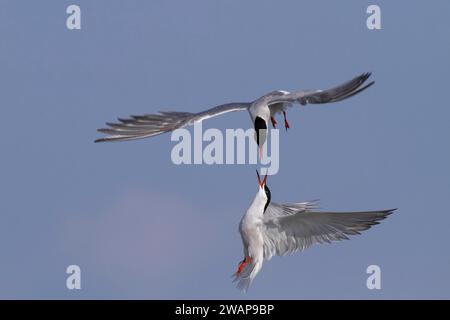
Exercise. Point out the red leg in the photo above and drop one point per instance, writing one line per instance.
(243, 264)
(286, 124)
(274, 122)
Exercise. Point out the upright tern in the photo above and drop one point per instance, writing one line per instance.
(269, 229)
(261, 111)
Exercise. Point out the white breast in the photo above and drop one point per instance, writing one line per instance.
(259, 110)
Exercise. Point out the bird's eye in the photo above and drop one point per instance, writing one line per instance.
(260, 130)
(268, 195)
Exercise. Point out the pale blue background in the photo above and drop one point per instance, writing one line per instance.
(141, 227)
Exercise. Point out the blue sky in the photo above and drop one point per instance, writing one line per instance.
(141, 227)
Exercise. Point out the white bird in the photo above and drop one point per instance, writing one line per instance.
(269, 229)
(261, 111)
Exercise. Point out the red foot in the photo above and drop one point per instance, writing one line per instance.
(243, 264)
(286, 124)
(274, 122)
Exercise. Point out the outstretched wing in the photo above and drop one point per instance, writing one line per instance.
(281, 99)
(277, 210)
(138, 127)
(288, 230)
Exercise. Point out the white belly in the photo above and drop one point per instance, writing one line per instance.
(252, 239)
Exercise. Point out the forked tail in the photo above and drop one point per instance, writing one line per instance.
(245, 274)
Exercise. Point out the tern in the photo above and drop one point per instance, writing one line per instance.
(268, 229)
(261, 111)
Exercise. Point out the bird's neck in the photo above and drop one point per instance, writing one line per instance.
(260, 110)
(256, 209)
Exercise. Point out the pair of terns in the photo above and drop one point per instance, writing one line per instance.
(267, 228)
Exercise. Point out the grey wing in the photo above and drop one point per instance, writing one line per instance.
(338, 93)
(138, 127)
(286, 234)
(277, 210)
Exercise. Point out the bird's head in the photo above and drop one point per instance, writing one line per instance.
(264, 189)
(260, 133)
